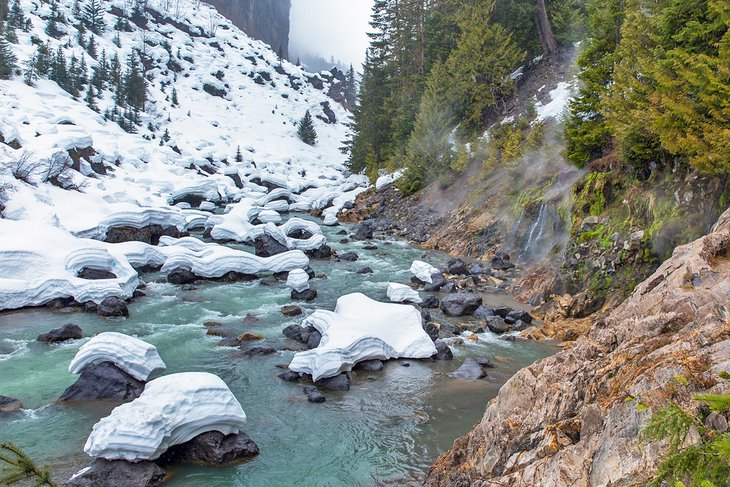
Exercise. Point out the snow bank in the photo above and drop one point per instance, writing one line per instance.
(361, 329)
(137, 358)
(424, 270)
(400, 293)
(137, 218)
(172, 409)
(298, 280)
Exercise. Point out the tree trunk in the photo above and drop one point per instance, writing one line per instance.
(544, 31)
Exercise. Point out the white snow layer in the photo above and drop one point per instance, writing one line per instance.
(172, 409)
(424, 270)
(400, 293)
(298, 280)
(134, 356)
(360, 329)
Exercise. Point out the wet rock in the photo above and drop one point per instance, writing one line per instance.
(519, 315)
(443, 352)
(181, 276)
(430, 302)
(485, 362)
(9, 404)
(348, 256)
(324, 252)
(437, 282)
(249, 351)
(212, 448)
(230, 342)
(118, 473)
(469, 370)
(716, 422)
(313, 339)
(448, 330)
(363, 232)
(502, 262)
(425, 315)
(111, 307)
(294, 332)
(482, 313)
(342, 232)
(432, 331)
(103, 381)
(405, 364)
(502, 311)
(267, 246)
(68, 331)
(373, 365)
(96, 274)
(478, 269)
(306, 295)
(269, 281)
(457, 267)
(344, 241)
(449, 288)
(497, 325)
(291, 310)
(313, 394)
(289, 376)
(365, 270)
(460, 304)
(337, 383)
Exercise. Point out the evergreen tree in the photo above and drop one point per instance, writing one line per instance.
(7, 58)
(239, 156)
(16, 17)
(306, 130)
(80, 39)
(90, 98)
(43, 59)
(117, 40)
(52, 24)
(91, 47)
(350, 86)
(10, 34)
(93, 16)
(76, 10)
(59, 70)
(135, 86)
(174, 99)
(30, 75)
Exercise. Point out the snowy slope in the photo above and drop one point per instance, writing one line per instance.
(129, 177)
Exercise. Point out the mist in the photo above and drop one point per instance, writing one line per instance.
(330, 28)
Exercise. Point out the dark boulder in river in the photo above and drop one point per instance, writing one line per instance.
(104, 381)
(68, 331)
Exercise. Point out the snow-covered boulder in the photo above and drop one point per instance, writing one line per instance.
(360, 329)
(205, 190)
(298, 280)
(330, 219)
(172, 410)
(132, 355)
(136, 217)
(423, 271)
(400, 293)
(210, 260)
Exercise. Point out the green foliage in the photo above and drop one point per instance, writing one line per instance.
(306, 131)
(17, 466)
(7, 58)
(93, 16)
(706, 462)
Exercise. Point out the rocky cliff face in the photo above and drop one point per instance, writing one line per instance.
(267, 20)
(573, 419)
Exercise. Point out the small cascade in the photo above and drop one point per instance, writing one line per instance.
(537, 231)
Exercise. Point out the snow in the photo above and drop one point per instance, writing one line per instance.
(558, 104)
(134, 356)
(131, 180)
(423, 270)
(298, 280)
(360, 329)
(172, 409)
(400, 293)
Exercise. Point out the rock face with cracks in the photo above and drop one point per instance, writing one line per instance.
(132, 355)
(360, 329)
(172, 409)
(572, 419)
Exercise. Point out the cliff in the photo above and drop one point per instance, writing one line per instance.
(266, 20)
(574, 418)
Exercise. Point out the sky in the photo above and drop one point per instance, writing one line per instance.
(331, 28)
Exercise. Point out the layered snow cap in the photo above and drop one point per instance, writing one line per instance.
(134, 356)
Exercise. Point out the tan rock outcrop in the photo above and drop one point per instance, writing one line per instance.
(572, 419)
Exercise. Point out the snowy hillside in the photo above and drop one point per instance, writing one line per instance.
(210, 90)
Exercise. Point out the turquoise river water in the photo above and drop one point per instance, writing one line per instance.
(387, 429)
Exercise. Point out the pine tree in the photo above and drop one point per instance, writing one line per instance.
(306, 130)
(16, 17)
(59, 70)
(90, 98)
(174, 99)
(76, 10)
(135, 86)
(239, 156)
(52, 24)
(93, 16)
(80, 39)
(30, 75)
(10, 34)
(43, 59)
(117, 40)
(350, 86)
(7, 58)
(91, 47)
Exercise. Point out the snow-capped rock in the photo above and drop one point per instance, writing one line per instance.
(360, 329)
(134, 356)
(423, 270)
(298, 280)
(400, 293)
(172, 410)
